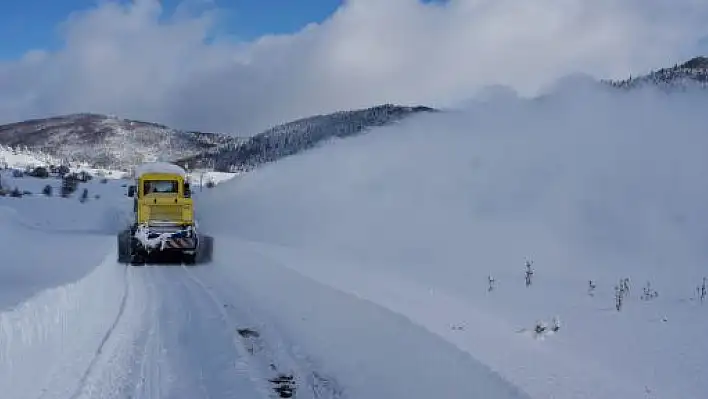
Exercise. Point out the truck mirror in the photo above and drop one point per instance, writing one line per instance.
(131, 191)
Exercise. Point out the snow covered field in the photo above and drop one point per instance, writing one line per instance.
(362, 268)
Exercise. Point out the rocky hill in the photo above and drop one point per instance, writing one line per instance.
(107, 141)
(110, 142)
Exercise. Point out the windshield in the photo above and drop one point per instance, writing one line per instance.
(160, 186)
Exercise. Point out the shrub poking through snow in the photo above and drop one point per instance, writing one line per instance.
(540, 327)
(529, 272)
(47, 190)
(625, 285)
(68, 185)
(618, 297)
(621, 291)
(649, 293)
(591, 288)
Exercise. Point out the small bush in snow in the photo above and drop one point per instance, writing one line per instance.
(16, 193)
(619, 296)
(210, 184)
(540, 327)
(63, 170)
(491, 281)
(47, 190)
(649, 293)
(40, 172)
(591, 288)
(69, 184)
(529, 272)
(625, 285)
(84, 196)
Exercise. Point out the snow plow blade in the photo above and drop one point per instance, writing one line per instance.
(130, 251)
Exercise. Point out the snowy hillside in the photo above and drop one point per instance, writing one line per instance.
(592, 187)
(294, 137)
(119, 144)
(24, 158)
(692, 74)
(108, 141)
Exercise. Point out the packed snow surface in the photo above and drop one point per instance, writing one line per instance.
(392, 265)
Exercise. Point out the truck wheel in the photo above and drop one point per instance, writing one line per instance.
(124, 246)
(189, 259)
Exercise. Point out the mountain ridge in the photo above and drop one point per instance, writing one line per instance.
(692, 73)
(112, 142)
(108, 141)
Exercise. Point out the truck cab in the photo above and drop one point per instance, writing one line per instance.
(163, 210)
(162, 199)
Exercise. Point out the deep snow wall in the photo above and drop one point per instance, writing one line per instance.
(590, 183)
(583, 179)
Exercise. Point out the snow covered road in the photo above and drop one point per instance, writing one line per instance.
(249, 329)
(149, 332)
(76, 324)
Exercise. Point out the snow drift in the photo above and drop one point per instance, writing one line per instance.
(587, 183)
(48, 241)
(49, 340)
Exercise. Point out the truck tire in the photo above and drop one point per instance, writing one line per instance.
(124, 252)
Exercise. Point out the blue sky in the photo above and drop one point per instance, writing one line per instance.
(32, 24)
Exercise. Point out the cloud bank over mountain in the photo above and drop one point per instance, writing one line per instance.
(179, 69)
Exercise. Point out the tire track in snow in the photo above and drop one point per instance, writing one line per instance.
(150, 374)
(99, 351)
(300, 375)
(257, 378)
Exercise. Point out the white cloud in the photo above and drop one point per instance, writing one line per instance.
(133, 61)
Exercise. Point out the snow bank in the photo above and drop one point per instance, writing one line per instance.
(33, 259)
(588, 184)
(49, 241)
(50, 341)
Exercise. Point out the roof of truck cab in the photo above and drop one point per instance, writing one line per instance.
(159, 167)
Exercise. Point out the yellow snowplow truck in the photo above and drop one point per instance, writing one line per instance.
(163, 226)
